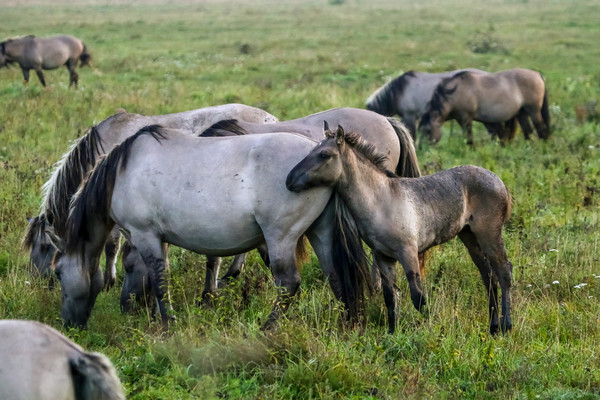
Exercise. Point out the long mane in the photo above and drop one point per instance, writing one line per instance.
(384, 98)
(368, 151)
(70, 171)
(92, 200)
(440, 96)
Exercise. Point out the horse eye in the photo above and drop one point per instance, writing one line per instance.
(324, 156)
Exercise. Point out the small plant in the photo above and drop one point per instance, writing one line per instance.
(487, 42)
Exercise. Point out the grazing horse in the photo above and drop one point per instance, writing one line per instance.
(399, 218)
(36, 53)
(407, 96)
(39, 363)
(493, 98)
(161, 186)
(74, 166)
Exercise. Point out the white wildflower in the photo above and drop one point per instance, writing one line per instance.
(555, 282)
(554, 250)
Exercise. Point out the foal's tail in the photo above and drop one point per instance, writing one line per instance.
(546, 114)
(85, 57)
(351, 261)
(94, 378)
(93, 199)
(408, 165)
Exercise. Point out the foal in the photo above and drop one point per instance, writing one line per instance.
(400, 218)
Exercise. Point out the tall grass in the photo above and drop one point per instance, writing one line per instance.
(293, 59)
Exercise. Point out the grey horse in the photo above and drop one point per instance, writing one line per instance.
(39, 363)
(32, 52)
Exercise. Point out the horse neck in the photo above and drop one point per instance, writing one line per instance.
(364, 187)
(14, 48)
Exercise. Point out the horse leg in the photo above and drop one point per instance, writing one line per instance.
(213, 264)
(40, 75)
(489, 279)
(25, 75)
(539, 124)
(73, 76)
(467, 127)
(287, 279)
(111, 249)
(524, 122)
(387, 271)
(154, 254)
(409, 258)
(411, 125)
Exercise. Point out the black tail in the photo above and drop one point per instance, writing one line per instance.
(92, 202)
(408, 165)
(546, 115)
(351, 261)
(85, 57)
(227, 127)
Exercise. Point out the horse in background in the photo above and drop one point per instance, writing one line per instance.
(494, 98)
(81, 157)
(39, 363)
(408, 96)
(400, 218)
(32, 52)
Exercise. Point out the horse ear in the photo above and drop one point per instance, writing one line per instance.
(326, 130)
(57, 241)
(339, 135)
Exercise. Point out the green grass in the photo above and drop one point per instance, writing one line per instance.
(293, 59)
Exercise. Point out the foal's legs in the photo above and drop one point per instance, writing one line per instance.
(111, 249)
(409, 258)
(387, 271)
(489, 279)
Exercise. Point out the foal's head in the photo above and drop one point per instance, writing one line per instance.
(324, 165)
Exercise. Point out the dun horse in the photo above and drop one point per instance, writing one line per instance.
(492, 99)
(399, 218)
(39, 363)
(407, 96)
(81, 158)
(32, 52)
(161, 186)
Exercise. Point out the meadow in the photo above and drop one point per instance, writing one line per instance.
(294, 58)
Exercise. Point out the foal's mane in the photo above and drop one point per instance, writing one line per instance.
(384, 97)
(93, 198)
(369, 152)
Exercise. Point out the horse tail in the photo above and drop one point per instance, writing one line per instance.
(301, 252)
(84, 57)
(94, 378)
(93, 199)
(226, 127)
(546, 114)
(408, 165)
(352, 264)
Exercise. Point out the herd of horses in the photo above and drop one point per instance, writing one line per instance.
(160, 180)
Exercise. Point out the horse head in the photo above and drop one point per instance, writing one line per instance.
(41, 249)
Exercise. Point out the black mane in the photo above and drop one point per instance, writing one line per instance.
(226, 127)
(369, 152)
(94, 197)
(385, 99)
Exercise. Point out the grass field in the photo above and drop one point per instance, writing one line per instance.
(296, 58)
